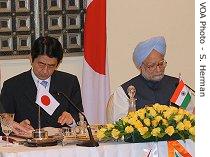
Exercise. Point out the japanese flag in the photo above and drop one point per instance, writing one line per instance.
(95, 82)
(46, 101)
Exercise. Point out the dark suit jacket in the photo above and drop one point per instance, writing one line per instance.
(150, 92)
(18, 96)
(1, 111)
(1, 108)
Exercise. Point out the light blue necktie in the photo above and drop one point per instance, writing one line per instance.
(44, 83)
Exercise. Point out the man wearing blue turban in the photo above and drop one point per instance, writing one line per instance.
(152, 85)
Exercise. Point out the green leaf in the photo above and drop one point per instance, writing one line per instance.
(161, 135)
(146, 135)
(192, 138)
(182, 137)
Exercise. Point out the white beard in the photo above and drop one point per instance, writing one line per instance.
(155, 78)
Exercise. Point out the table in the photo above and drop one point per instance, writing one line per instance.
(109, 149)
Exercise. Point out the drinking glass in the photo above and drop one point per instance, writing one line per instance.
(6, 124)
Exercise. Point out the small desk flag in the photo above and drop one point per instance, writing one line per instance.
(46, 101)
(181, 96)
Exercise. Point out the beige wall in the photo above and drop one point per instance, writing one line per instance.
(136, 20)
(131, 21)
(10, 68)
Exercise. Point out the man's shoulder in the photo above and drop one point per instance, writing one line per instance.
(19, 77)
(63, 75)
(138, 81)
(132, 82)
(170, 78)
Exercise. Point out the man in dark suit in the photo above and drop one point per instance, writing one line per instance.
(19, 93)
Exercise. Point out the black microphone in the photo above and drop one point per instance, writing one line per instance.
(190, 88)
(91, 142)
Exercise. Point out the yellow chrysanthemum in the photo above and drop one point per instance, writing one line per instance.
(165, 107)
(129, 129)
(152, 112)
(138, 124)
(178, 117)
(109, 126)
(187, 112)
(103, 129)
(132, 115)
(115, 133)
(141, 113)
(192, 117)
(125, 120)
(187, 124)
(181, 111)
(158, 118)
(147, 121)
(154, 122)
(143, 130)
(159, 108)
(167, 114)
(132, 120)
(155, 132)
(100, 135)
(180, 126)
(169, 130)
(173, 109)
(192, 131)
(165, 122)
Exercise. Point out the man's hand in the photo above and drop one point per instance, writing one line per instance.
(26, 124)
(65, 118)
(20, 130)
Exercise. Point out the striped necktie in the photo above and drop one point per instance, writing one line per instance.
(44, 83)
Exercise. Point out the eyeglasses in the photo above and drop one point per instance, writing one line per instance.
(161, 64)
(49, 66)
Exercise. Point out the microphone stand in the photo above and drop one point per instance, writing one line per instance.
(91, 142)
(190, 88)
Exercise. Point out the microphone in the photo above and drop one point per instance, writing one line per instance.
(132, 100)
(91, 142)
(190, 88)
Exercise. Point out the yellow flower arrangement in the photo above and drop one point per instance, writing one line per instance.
(151, 123)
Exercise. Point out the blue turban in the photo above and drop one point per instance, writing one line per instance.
(143, 49)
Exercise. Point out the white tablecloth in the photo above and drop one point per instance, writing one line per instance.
(109, 149)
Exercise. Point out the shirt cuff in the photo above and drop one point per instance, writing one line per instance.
(73, 124)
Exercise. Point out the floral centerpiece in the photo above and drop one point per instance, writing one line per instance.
(151, 123)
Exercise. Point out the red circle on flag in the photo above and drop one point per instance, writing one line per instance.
(45, 100)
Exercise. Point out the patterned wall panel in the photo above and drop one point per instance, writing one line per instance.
(16, 27)
(22, 21)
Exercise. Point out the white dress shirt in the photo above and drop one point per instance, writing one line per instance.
(38, 81)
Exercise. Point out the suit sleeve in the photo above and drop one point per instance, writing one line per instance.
(76, 98)
(6, 99)
(1, 108)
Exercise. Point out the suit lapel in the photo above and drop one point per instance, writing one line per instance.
(53, 85)
(30, 89)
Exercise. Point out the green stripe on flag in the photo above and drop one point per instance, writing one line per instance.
(186, 101)
(176, 155)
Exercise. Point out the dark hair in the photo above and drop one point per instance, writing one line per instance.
(47, 46)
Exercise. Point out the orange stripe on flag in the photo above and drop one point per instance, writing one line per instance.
(177, 91)
(172, 145)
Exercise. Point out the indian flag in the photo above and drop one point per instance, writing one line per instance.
(176, 149)
(181, 96)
